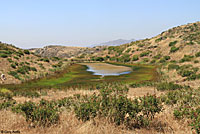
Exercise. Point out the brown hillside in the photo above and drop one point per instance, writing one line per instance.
(20, 65)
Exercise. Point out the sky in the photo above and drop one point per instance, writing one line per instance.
(37, 23)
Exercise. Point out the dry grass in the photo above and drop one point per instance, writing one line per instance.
(163, 123)
(55, 95)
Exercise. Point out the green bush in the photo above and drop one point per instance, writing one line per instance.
(167, 57)
(168, 86)
(135, 58)
(33, 69)
(187, 105)
(44, 59)
(113, 104)
(173, 61)
(20, 53)
(141, 45)
(43, 114)
(124, 58)
(6, 99)
(17, 58)
(13, 66)
(99, 59)
(174, 49)
(26, 52)
(173, 43)
(160, 39)
(144, 54)
(153, 61)
(162, 60)
(128, 50)
(9, 60)
(177, 114)
(3, 55)
(186, 73)
(145, 60)
(173, 66)
(27, 63)
(7, 103)
(157, 56)
(23, 69)
(29, 94)
(14, 74)
(186, 58)
(55, 58)
(197, 54)
(142, 84)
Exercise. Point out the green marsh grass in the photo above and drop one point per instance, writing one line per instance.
(77, 76)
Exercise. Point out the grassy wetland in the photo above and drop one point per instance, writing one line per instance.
(77, 75)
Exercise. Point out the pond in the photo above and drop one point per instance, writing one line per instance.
(105, 69)
(89, 74)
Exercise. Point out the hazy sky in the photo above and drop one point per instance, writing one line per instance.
(36, 23)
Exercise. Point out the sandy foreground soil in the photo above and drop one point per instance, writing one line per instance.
(107, 68)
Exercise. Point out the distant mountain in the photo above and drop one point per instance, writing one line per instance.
(115, 42)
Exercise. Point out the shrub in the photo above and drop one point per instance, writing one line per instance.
(177, 114)
(33, 69)
(135, 58)
(3, 55)
(197, 54)
(174, 49)
(128, 50)
(14, 74)
(7, 103)
(173, 66)
(20, 53)
(17, 58)
(124, 58)
(173, 43)
(99, 59)
(44, 59)
(6, 98)
(144, 54)
(157, 56)
(29, 94)
(186, 58)
(153, 61)
(23, 69)
(186, 73)
(9, 60)
(113, 104)
(162, 60)
(173, 61)
(142, 84)
(43, 114)
(13, 66)
(27, 63)
(167, 57)
(141, 45)
(26, 52)
(145, 60)
(160, 39)
(55, 58)
(168, 86)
